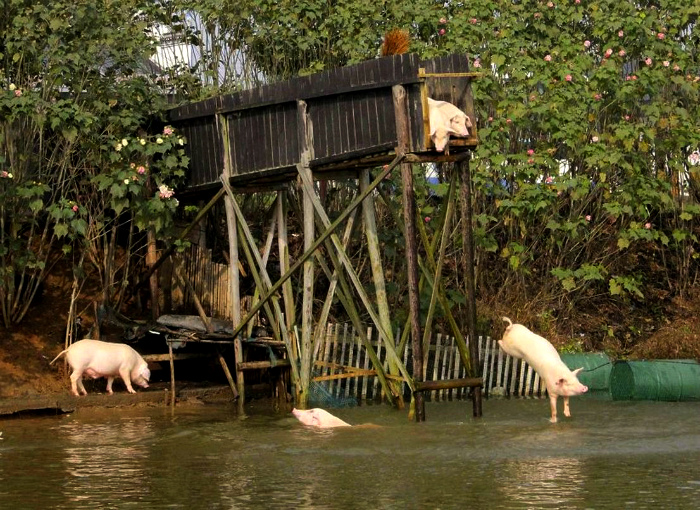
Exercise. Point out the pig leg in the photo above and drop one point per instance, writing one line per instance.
(76, 382)
(553, 406)
(124, 373)
(110, 380)
(567, 413)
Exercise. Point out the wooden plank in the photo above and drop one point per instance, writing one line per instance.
(445, 364)
(351, 349)
(257, 365)
(471, 382)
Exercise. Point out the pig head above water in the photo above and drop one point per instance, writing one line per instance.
(520, 342)
(445, 120)
(318, 417)
(105, 359)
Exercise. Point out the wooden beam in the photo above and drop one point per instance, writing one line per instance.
(257, 365)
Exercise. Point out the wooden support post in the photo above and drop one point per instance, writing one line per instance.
(172, 375)
(287, 291)
(227, 373)
(378, 276)
(469, 281)
(151, 258)
(409, 213)
(233, 275)
(306, 145)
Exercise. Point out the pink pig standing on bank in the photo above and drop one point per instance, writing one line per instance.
(521, 343)
(318, 417)
(105, 359)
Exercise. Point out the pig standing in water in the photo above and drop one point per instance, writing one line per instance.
(445, 120)
(520, 342)
(105, 359)
(318, 417)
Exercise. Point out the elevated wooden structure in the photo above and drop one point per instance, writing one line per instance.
(349, 110)
(335, 124)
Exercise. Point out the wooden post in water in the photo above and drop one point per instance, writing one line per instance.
(234, 287)
(468, 261)
(409, 213)
(306, 146)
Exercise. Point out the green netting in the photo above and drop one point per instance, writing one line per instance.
(319, 396)
(667, 380)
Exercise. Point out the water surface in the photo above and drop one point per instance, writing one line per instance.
(608, 455)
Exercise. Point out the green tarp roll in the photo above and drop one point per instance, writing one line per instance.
(596, 369)
(668, 380)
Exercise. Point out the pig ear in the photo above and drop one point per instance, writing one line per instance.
(561, 382)
(577, 370)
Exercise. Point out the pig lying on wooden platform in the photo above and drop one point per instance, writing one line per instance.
(318, 417)
(105, 359)
(521, 343)
(445, 120)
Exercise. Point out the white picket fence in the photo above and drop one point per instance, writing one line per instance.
(341, 352)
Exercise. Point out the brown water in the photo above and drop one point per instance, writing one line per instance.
(609, 455)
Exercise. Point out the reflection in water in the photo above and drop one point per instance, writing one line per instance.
(555, 482)
(106, 459)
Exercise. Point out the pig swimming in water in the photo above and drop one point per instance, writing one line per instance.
(318, 417)
(105, 359)
(520, 342)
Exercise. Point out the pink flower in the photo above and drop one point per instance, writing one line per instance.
(538, 15)
(550, 4)
(586, 43)
(634, 77)
(441, 31)
(627, 117)
(568, 77)
(577, 2)
(549, 180)
(165, 192)
(18, 93)
(75, 208)
(597, 97)
(666, 63)
(530, 161)
(427, 219)
(530, 152)
(622, 53)
(473, 21)
(676, 68)
(661, 35)
(477, 63)
(608, 52)
(508, 121)
(167, 130)
(141, 169)
(490, 119)
(647, 226)
(588, 217)
(443, 21)
(4, 174)
(648, 61)
(620, 33)
(628, 78)
(548, 58)
(594, 139)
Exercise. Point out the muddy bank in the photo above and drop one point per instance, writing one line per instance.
(156, 395)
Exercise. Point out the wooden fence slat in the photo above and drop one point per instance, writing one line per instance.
(454, 393)
(436, 358)
(445, 364)
(351, 347)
